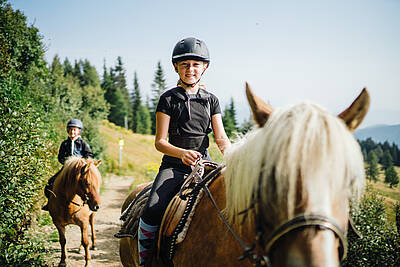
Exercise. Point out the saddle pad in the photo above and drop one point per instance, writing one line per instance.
(131, 215)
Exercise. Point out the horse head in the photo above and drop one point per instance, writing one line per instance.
(297, 175)
(89, 184)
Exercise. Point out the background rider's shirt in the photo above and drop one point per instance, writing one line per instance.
(77, 147)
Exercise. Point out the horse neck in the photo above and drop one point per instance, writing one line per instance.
(63, 188)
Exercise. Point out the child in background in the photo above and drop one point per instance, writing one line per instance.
(73, 145)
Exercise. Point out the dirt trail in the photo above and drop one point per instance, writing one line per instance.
(106, 225)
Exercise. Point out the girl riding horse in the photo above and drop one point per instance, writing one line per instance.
(187, 113)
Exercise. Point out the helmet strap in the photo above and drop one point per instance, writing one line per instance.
(190, 84)
(193, 84)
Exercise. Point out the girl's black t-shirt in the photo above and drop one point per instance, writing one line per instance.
(193, 118)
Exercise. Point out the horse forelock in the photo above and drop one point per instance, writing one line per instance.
(71, 172)
(300, 147)
(77, 168)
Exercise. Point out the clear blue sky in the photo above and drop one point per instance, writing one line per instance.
(289, 51)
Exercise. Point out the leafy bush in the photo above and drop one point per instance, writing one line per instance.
(24, 160)
(380, 243)
(35, 104)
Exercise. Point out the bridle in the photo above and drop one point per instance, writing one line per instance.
(299, 222)
(85, 197)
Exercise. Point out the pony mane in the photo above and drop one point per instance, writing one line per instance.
(301, 147)
(72, 171)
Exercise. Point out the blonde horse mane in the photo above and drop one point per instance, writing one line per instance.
(301, 147)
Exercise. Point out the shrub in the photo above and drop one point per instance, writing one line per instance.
(24, 160)
(380, 243)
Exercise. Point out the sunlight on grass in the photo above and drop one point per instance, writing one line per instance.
(44, 219)
(390, 195)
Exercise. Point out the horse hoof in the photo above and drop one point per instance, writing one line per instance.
(62, 264)
(93, 248)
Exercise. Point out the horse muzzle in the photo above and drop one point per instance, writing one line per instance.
(94, 208)
(92, 203)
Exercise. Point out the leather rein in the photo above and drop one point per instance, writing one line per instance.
(300, 221)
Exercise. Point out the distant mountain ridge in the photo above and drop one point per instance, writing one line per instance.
(380, 133)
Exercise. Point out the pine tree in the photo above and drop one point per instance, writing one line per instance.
(68, 69)
(394, 151)
(136, 102)
(247, 125)
(228, 122)
(379, 152)
(57, 72)
(89, 75)
(386, 160)
(232, 111)
(372, 168)
(120, 77)
(391, 176)
(143, 118)
(65, 90)
(158, 87)
(94, 103)
(119, 80)
(77, 71)
(115, 98)
(369, 144)
(385, 146)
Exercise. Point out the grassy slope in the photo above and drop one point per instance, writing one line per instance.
(390, 195)
(142, 160)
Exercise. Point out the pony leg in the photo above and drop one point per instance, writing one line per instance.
(91, 221)
(62, 240)
(85, 242)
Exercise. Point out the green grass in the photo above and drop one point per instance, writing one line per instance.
(44, 219)
(53, 237)
(390, 195)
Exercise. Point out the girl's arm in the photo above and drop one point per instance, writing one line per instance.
(221, 138)
(188, 157)
(87, 152)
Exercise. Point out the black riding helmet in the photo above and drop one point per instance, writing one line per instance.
(75, 123)
(190, 48)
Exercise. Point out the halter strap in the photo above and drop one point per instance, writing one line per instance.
(308, 220)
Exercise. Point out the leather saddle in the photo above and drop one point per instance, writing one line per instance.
(177, 216)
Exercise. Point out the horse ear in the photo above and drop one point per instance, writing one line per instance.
(354, 115)
(261, 109)
(97, 163)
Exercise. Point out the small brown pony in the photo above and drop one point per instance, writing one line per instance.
(286, 192)
(75, 198)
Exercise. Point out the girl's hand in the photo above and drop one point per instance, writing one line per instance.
(189, 157)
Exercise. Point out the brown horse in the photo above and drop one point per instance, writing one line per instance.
(286, 192)
(74, 200)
